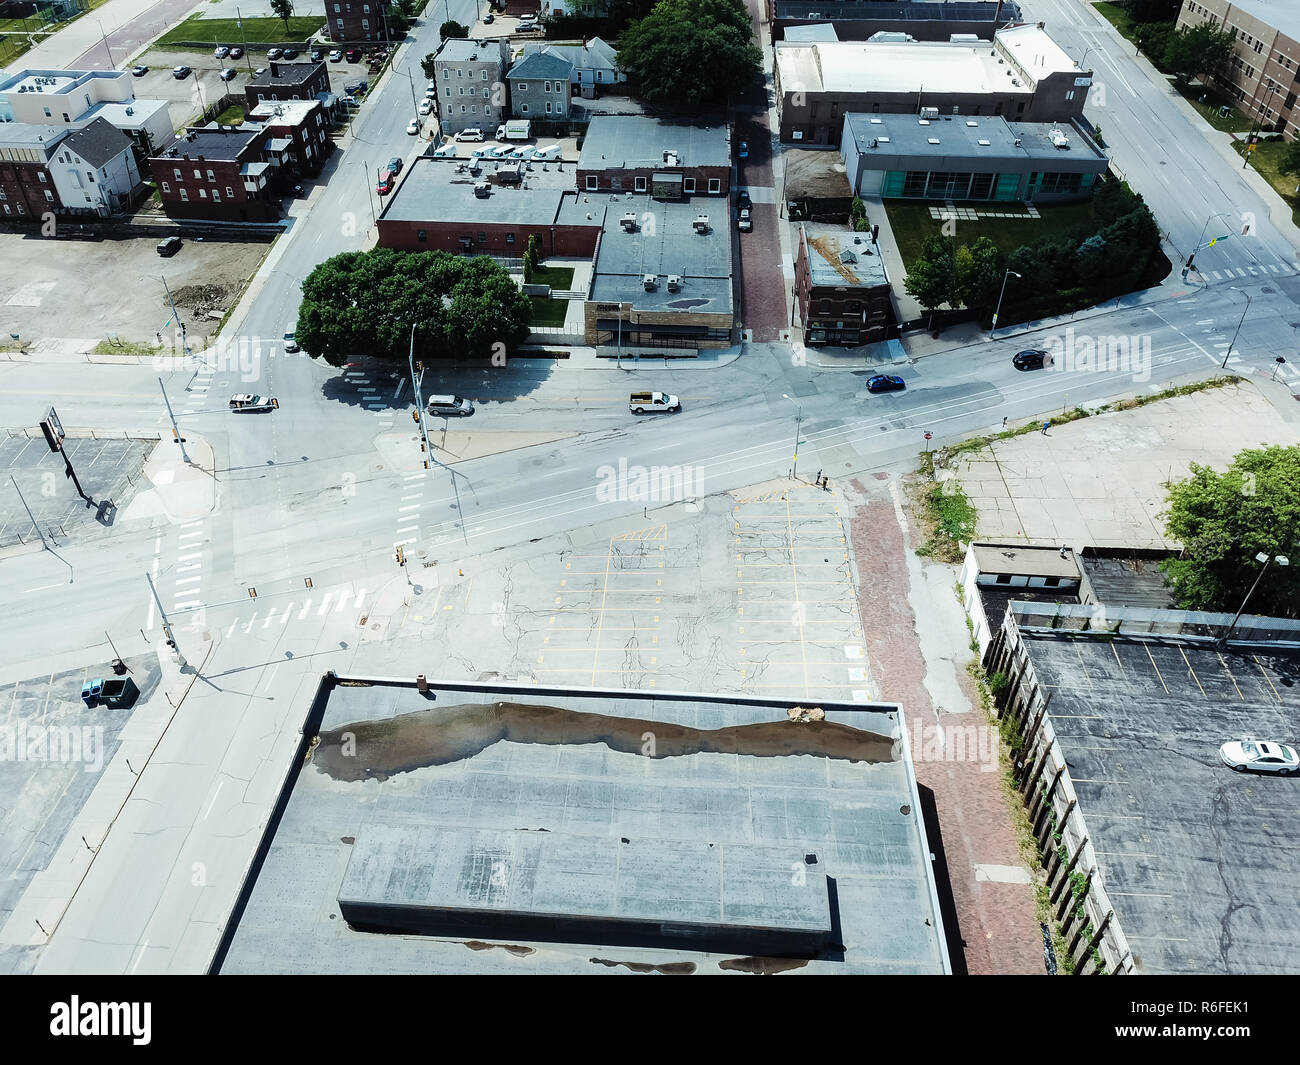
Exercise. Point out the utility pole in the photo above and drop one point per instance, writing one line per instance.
(35, 524)
(166, 625)
(1233, 343)
(798, 420)
(106, 48)
(185, 344)
(369, 194)
(243, 36)
(419, 400)
(175, 431)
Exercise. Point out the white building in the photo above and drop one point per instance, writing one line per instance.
(94, 169)
(75, 98)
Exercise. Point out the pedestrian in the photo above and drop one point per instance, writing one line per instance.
(1045, 425)
(1004, 421)
(818, 481)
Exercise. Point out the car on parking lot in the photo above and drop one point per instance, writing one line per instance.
(527, 22)
(317, 55)
(426, 107)
(274, 53)
(884, 382)
(169, 247)
(336, 55)
(742, 199)
(744, 220)
(353, 54)
(181, 72)
(357, 87)
(221, 52)
(140, 70)
(248, 401)
(259, 72)
(431, 93)
(228, 74)
(289, 53)
(1247, 754)
(471, 134)
(489, 18)
(1031, 359)
(236, 52)
(394, 165)
(385, 183)
(446, 405)
(413, 127)
(743, 151)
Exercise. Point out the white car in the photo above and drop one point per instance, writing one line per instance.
(527, 22)
(426, 107)
(221, 52)
(471, 134)
(1262, 757)
(413, 127)
(247, 401)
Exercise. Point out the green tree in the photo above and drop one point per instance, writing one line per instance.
(283, 10)
(688, 54)
(426, 64)
(1094, 261)
(452, 28)
(932, 277)
(365, 302)
(398, 20)
(1289, 161)
(532, 258)
(1201, 49)
(1223, 520)
(857, 209)
(980, 267)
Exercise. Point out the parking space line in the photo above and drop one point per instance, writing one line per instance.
(1267, 679)
(1233, 680)
(1159, 675)
(1191, 670)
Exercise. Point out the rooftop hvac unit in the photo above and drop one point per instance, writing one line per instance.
(1059, 139)
(628, 222)
(701, 223)
(649, 281)
(1017, 142)
(674, 283)
(847, 256)
(482, 190)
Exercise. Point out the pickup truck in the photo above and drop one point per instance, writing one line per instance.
(246, 401)
(640, 402)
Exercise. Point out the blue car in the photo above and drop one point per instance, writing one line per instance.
(886, 383)
(743, 151)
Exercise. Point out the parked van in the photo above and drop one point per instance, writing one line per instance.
(289, 343)
(546, 154)
(449, 405)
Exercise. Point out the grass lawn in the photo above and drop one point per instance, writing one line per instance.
(558, 277)
(1118, 17)
(548, 311)
(1236, 122)
(214, 31)
(1266, 158)
(911, 223)
(231, 116)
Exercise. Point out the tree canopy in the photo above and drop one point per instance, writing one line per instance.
(452, 28)
(1186, 52)
(689, 54)
(363, 303)
(1223, 520)
(283, 10)
(932, 278)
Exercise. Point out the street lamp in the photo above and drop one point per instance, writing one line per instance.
(1263, 557)
(1232, 343)
(1197, 246)
(185, 345)
(798, 419)
(1280, 362)
(994, 326)
(106, 48)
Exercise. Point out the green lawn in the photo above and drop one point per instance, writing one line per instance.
(1266, 158)
(1118, 17)
(548, 311)
(911, 224)
(214, 31)
(558, 277)
(1236, 122)
(231, 116)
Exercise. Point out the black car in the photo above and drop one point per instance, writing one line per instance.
(169, 247)
(139, 71)
(886, 383)
(394, 165)
(1031, 359)
(180, 73)
(289, 53)
(742, 200)
(352, 54)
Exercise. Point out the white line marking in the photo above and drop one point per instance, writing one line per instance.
(413, 495)
(325, 605)
(249, 626)
(214, 799)
(42, 588)
(360, 596)
(409, 506)
(190, 557)
(192, 524)
(232, 626)
(303, 612)
(139, 956)
(403, 543)
(188, 580)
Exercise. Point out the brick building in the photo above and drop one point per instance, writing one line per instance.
(842, 289)
(221, 173)
(471, 78)
(300, 141)
(356, 21)
(288, 81)
(26, 185)
(1264, 75)
(668, 160)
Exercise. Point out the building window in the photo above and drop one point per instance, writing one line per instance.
(90, 176)
(548, 107)
(211, 176)
(230, 193)
(591, 182)
(47, 112)
(203, 194)
(166, 187)
(600, 75)
(715, 185)
(1004, 578)
(523, 109)
(445, 73)
(185, 196)
(448, 90)
(523, 86)
(483, 74)
(198, 176)
(487, 94)
(510, 238)
(688, 185)
(365, 24)
(459, 73)
(337, 9)
(216, 196)
(460, 91)
(421, 235)
(639, 184)
(462, 109)
(546, 86)
(482, 237)
(473, 109)
(340, 21)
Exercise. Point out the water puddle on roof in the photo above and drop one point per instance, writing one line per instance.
(762, 966)
(510, 948)
(376, 750)
(686, 305)
(672, 968)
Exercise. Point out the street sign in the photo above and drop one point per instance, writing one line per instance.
(927, 436)
(1215, 240)
(55, 424)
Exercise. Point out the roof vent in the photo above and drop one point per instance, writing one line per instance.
(923, 122)
(674, 283)
(883, 140)
(932, 140)
(1059, 138)
(628, 222)
(1017, 142)
(970, 122)
(649, 281)
(984, 142)
(701, 223)
(877, 121)
(846, 256)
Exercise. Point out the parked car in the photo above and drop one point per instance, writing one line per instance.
(744, 220)
(247, 401)
(356, 88)
(169, 247)
(527, 22)
(394, 166)
(884, 382)
(385, 183)
(489, 18)
(179, 73)
(336, 55)
(426, 107)
(221, 52)
(743, 151)
(640, 402)
(259, 72)
(139, 70)
(236, 53)
(431, 93)
(413, 127)
(289, 53)
(353, 54)
(1260, 757)
(317, 55)
(228, 74)
(742, 199)
(274, 53)
(446, 405)
(1031, 359)
(471, 134)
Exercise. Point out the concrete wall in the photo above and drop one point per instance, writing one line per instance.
(624, 180)
(633, 320)
(562, 241)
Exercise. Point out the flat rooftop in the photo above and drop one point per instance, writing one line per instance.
(279, 72)
(839, 257)
(485, 805)
(1282, 15)
(1199, 862)
(53, 82)
(630, 141)
(467, 50)
(286, 112)
(443, 190)
(1034, 50)
(1027, 560)
(916, 11)
(664, 243)
(213, 142)
(969, 137)
(25, 136)
(874, 66)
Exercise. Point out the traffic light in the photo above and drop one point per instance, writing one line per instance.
(1190, 259)
(401, 557)
(415, 416)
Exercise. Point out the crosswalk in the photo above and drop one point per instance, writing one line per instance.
(1263, 270)
(188, 589)
(369, 391)
(278, 614)
(408, 508)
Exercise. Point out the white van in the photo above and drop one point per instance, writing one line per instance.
(548, 153)
(449, 405)
(290, 344)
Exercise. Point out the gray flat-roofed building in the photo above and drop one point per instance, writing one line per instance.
(623, 153)
(818, 31)
(926, 20)
(493, 802)
(687, 303)
(553, 886)
(953, 157)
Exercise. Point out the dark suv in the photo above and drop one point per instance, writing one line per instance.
(1031, 359)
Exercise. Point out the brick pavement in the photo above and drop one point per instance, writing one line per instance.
(997, 921)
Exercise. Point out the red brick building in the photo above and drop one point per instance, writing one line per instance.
(300, 141)
(842, 289)
(26, 184)
(222, 174)
(667, 160)
(288, 81)
(356, 21)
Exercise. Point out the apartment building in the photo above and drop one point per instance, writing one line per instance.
(471, 82)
